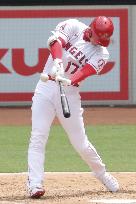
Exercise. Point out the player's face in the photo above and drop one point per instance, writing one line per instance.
(93, 38)
(93, 41)
(89, 36)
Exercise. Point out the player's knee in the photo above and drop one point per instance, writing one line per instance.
(38, 142)
(85, 148)
(80, 147)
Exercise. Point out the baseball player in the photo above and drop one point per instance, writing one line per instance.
(77, 51)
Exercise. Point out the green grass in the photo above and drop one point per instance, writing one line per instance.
(115, 144)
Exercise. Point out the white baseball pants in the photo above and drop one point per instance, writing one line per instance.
(46, 105)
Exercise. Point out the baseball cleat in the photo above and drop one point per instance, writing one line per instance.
(36, 192)
(110, 182)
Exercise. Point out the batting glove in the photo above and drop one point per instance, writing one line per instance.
(44, 77)
(57, 68)
(64, 81)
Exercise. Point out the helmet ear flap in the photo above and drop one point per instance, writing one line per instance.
(87, 34)
(90, 32)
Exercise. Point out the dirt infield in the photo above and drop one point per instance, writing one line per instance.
(68, 188)
(94, 115)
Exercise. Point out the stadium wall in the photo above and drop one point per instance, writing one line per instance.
(23, 52)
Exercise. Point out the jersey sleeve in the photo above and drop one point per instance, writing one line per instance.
(99, 59)
(67, 29)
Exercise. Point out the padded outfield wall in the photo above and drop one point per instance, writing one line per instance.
(23, 53)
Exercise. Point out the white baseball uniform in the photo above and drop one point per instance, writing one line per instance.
(46, 102)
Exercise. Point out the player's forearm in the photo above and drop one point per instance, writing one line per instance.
(82, 74)
(56, 48)
(56, 52)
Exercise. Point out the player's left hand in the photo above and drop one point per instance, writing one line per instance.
(57, 68)
(44, 77)
(63, 80)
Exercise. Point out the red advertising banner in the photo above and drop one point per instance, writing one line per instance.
(20, 73)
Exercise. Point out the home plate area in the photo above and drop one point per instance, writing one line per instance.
(68, 188)
(114, 201)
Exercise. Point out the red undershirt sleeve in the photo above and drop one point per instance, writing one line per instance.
(83, 73)
(56, 49)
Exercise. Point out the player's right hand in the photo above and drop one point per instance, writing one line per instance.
(57, 69)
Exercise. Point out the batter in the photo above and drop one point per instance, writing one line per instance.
(76, 52)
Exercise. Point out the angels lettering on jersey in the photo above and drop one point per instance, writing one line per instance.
(77, 52)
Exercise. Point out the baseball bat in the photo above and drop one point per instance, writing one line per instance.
(64, 102)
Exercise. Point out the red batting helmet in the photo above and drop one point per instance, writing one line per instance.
(102, 29)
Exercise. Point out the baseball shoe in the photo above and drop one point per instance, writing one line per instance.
(36, 192)
(109, 181)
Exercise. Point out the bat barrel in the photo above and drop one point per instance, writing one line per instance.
(65, 107)
(64, 102)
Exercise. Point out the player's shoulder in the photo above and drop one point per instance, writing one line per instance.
(103, 50)
(73, 20)
(76, 22)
